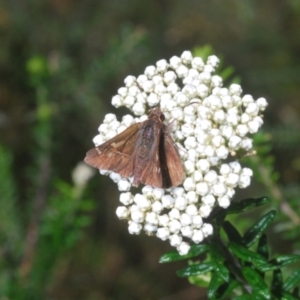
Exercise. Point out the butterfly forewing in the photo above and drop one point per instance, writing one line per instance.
(173, 161)
(116, 154)
(152, 172)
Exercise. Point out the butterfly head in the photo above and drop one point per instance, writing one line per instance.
(157, 114)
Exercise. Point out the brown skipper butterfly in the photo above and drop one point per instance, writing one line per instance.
(144, 150)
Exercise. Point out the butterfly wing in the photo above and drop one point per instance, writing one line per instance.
(152, 173)
(173, 161)
(117, 153)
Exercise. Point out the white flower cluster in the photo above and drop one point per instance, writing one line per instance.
(212, 123)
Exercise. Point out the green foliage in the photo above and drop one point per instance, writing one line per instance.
(238, 266)
(34, 239)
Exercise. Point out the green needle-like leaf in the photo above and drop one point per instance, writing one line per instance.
(226, 289)
(247, 255)
(262, 247)
(232, 233)
(279, 262)
(222, 272)
(276, 286)
(288, 296)
(257, 283)
(247, 204)
(175, 256)
(214, 284)
(292, 281)
(197, 269)
(257, 230)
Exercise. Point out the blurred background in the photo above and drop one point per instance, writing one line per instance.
(60, 64)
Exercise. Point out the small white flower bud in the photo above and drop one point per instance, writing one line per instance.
(117, 101)
(175, 240)
(181, 99)
(157, 207)
(216, 81)
(191, 210)
(175, 62)
(187, 231)
(205, 210)
(153, 100)
(158, 193)
(189, 184)
(205, 77)
(163, 233)
(148, 86)
(134, 228)
(174, 226)
(247, 144)
(211, 177)
(192, 197)
(124, 185)
(129, 101)
(202, 90)
(187, 57)
(247, 99)
(170, 77)
(126, 198)
(235, 167)
(137, 216)
(151, 218)
(123, 91)
(244, 181)
(185, 219)
(150, 228)
(162, 65)
(207, 229)
(247, 171)
(203, 165)
(262, 103)
(182, 71)
(190, 91)
(183, 248)
(172, 88)
(242, 130)
(213, 61)
(167, 201)
(219, 189)
(122, 212)
(157, 79)
(224, 201)
(197, 176)
(163, 220)
(209, 200)
(234, 142)
(222, 152)
(232, 179)
(252, 109)
(197, 236)
(138, 108)
(180, 203)
(160, 89)
(253, 126)
(129, 81)
(150, 71)
(197, 221)
(235, 89)
(197, 63)
(225, 169)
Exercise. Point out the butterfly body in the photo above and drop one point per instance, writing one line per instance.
(145, 151)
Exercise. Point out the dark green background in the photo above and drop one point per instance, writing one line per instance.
(84, 50)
